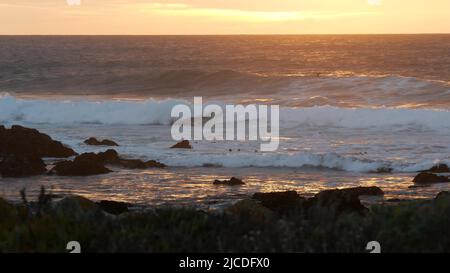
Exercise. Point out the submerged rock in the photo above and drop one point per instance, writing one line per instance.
(279, 201)
(95, 142)
(439, 168)
(232, 182)
(113, 207)
(21, 166)
(30, 142)
(182, 145)
(429, 178)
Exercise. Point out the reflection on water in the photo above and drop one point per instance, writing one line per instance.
(194, 186)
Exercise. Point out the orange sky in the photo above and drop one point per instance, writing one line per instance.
(224, 16)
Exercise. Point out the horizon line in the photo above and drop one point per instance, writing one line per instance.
(237, 34)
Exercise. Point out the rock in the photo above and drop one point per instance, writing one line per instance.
(442, 196)
(21, 166)
(383, 170)
(359, 191)
(109, 157)
(113, 207)
(83, 165)
(232, 182)
(95, 142)
(30, 142)
(138, 164)
(439, 168)
(429, 178)
(250, 208)
(154, 164)
(279, 201)
(337, 201)
(92, 164)
(182, 145)
(77, 207)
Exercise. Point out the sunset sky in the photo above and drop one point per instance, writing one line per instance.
(224, 16)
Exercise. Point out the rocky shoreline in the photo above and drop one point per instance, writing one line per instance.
(330, 221)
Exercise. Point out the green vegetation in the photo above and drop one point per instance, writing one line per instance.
(47, 226)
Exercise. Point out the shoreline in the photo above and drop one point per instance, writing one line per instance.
(332, 221)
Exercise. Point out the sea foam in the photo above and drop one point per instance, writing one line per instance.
(157, 112)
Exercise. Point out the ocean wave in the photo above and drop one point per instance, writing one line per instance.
(156, 112)
(297, 90)
(299, 160)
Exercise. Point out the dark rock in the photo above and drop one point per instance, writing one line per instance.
(279, 201)
(83, 165)
(77, 207)
(182, 145)
(251, 209)
(154, 164)
(21, 166)
(443, 195)
(359, 191)
(30, 142)
(113, 207)
(383, 170)
(429, 178)
(337, 201)
(95, 142)
(95, 164)
(111, 157)
(232, 182)
(440, 168)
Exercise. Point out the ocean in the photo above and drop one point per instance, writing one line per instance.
(350, 107)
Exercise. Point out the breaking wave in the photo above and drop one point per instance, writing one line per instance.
(157, 112)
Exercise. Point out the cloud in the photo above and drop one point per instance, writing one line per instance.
(179, 10)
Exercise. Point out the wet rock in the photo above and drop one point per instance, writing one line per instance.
(83, 165)
(21, 166)
(30, 142)
(154, 164)
(113, 207)
(383, 170)
(279, 201)
(95, 142)
(137, 164)
(232, 182)
(429, 178)
(336, 201)
(182, 145)
(439, 168)
(108, 157)
(92, 164)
